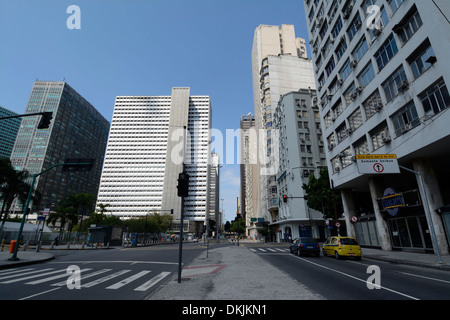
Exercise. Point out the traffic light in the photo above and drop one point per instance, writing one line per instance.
(45, 120)
(183, 184)
(284, 198)
(78, 164)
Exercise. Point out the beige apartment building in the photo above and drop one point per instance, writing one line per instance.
(279, 65)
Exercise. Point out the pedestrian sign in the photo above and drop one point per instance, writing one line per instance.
(377, 163)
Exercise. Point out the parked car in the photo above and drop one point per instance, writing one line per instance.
(304, 245)
(342, 247)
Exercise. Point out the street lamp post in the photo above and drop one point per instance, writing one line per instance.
(25, 211)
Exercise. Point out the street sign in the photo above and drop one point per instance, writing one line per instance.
(46, 211)
(337, 224)
(377, 163)
(354, 219)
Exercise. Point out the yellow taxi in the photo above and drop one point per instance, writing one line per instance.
(342, 247)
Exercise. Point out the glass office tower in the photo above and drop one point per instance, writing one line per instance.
(77, 130)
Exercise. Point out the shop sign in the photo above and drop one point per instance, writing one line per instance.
(392, 201)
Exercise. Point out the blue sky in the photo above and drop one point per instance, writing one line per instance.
(141, 47)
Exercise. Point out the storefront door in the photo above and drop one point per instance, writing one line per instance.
(410, 232)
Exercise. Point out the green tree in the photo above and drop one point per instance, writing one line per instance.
(65, 215)
(321, 197)
(238, 226)
(13, 184)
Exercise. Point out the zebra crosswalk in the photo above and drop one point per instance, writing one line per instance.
(89, 277)
(270, 250)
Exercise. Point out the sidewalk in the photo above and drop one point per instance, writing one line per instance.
(232, 273)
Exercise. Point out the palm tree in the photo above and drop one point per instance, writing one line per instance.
(83, 202)
(13, 184)
(65, 214)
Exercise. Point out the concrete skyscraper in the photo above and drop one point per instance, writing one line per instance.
(382, 78)
(145, 155)
(279, 66)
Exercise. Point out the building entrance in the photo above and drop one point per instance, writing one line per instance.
(410, 232)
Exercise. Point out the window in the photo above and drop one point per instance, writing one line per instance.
(405, 119)
(330, 67)
(395, 84)
(341, 47)
(395, 4)
(422, 59)
(354, 27)
(361, 49)
(345, 70)
(387, 50)
(366, 76)
(409, 25)
(337, 28)
(335, 165)
(350, 94)
(346, 157)
(379, 135)
(373, 104)
(361, 146)
(355, 120)
(436, 98)
(383, 20)
(341, 133)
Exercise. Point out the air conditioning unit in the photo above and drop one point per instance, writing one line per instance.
(349, 131)
(353, 96)
(353, 64)
(378, 107)
(332, 39)
(333, 118)
(347, 12)
(340, 82)
(342, 155)
(403, 86)
(360, 89)
(330, 96)
(337, 169)
(358, 25)
(376, 32)
(330, 146)
(386, 139)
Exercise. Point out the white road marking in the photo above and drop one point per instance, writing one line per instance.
(353, 277)
(128, 280)
(428, 278)
(152, 282)
(108, 277)
(54, 277)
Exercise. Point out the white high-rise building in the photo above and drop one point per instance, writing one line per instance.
(145, 155)
(279, 65)
(382, 77)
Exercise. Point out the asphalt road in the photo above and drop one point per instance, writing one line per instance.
(115, 274)
(348, 279)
